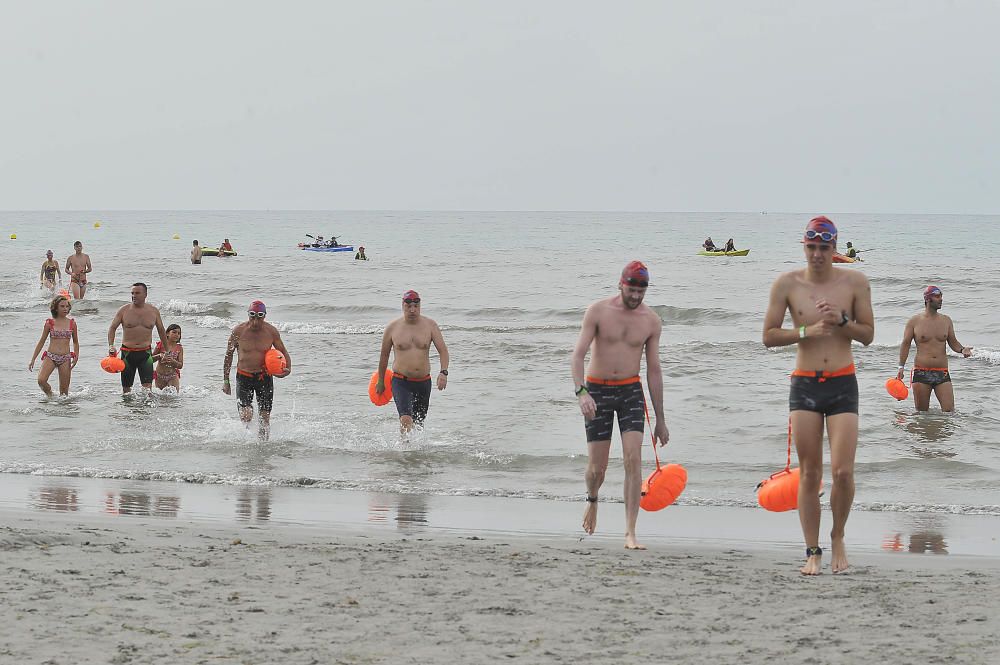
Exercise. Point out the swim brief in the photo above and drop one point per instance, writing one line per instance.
(932, 376)
(137, 360)
(615, 396)
(412, 396)
(249, 384)
(80, 278)
(827, 393)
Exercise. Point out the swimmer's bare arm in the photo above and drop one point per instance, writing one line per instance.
(383, 359)
(160, 330)
(76, 349)
(227, 362)
(953, 341)
(588, 332)
(862, 327)
(904, 347)
(278, 344)
(442, 349)
(38, 347)
(88, 267)
(117, 321)
(774, 334)
(654, 379)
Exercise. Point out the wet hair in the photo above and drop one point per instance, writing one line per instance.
(78, 243)
(173, 326)
(194, 242)
(54, 306)
(145, 288)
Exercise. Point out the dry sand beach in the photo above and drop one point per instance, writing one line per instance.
(88, 588)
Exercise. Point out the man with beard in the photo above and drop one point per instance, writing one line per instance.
(931, 331)
(252, 339)
(618, 331)
(830, 308)
(137, 321)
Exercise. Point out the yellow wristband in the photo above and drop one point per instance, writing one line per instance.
(802, 332)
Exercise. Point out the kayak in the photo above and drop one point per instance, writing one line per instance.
(738, 252)
(214, 251)
(840, 258)
(340, 248)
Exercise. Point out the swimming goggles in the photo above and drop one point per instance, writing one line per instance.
(632, 281)
(257, 315)
(412, 301)
(825, 236)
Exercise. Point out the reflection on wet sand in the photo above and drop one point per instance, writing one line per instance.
(141, 503)
(925, 428)
(55, 497)
(927, 536)
(249, 497)
(411, 509)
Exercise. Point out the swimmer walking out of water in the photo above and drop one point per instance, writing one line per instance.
(137, 321)
(617, 331)
(60, 330)
(409, 339)
(932, 332)
(830, 307)
(77, 266)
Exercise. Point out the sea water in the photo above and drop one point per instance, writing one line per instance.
(509, 290)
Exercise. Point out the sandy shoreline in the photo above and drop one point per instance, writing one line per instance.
(94, 588)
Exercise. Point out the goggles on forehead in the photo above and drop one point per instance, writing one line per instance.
(825, 236)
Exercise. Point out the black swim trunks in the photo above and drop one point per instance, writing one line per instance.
(412, 396)
(625, 399)
(249, 384)
(932, 376)
(137, 360)
(829, 395)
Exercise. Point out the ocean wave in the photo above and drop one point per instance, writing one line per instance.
(176, 306)
(293, 327)
(694, 315)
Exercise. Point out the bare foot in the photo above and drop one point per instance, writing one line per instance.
(631, 544)
(590, 518)
(839, 561)
(814, 565)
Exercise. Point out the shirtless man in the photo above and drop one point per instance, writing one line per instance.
(77, 266)
(409, 338)
(931, 331)
(617, 331)
(137, 321)
(252, 339)
(196, 253)
(49, 273)
(830, 307)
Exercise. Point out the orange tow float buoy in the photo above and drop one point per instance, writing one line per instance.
(780, 491)
(113, 364)
(662, 487)
(384, 397)
(274, 362)
(897, 389)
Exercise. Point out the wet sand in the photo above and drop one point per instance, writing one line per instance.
(99, 588)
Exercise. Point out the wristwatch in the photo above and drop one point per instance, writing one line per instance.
(844, 320)
(445, 372)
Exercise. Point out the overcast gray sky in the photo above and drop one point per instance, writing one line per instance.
(855, 105)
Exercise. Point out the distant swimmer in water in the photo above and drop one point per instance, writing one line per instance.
(932, 332)
(169, 360)
(409, 339)
(137, 321)
(618, 331)
(251, 340)
(50, 273)
(360, 256)
(196, 253)
(830, 307)
(77, 266)
(60, 330)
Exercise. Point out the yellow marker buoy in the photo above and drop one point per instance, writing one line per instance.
(97, 225)
(13, 236)
(177, 236)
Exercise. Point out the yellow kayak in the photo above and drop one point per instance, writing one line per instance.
(738, 252)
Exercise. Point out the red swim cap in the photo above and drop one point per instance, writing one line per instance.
(931, 291)
(635, 274)
(257, 306)
(411, 295)
(818, 227)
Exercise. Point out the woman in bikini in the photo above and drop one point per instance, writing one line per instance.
(61, 329)
(170, 360)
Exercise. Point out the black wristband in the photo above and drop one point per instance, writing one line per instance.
(579, 391)
(445, 372)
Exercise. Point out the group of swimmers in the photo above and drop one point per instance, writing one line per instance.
(830, 308)
(77, 267)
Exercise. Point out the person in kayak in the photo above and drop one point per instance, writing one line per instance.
(730, 246)
(932, 332)
(709, 245)
(830, 309)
